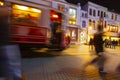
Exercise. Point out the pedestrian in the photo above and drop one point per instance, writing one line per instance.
(98, 40)
(113, 44)
(98, 44)
(8, 68)
(91, 46)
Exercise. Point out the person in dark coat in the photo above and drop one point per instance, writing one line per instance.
(98, 44)
(4, 40)
(6, 68)
(98, 40)
(91, 44)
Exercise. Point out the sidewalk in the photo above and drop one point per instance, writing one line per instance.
(69, 66)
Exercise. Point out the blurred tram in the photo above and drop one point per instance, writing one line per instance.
(33, 27)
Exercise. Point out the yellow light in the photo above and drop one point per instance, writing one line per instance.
(21, 7)
(70, 22)
(90, 27)
(55, 16)
(74, 22)
(36, 10)
(1, 3)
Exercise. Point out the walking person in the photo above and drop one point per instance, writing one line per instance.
(98, 44)
(91, 46)
(98, 40)
(9, 55)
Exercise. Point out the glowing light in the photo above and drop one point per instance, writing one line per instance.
(55, 16)
(90, 27)
(21, 7)
(1, 3)
(36, 10)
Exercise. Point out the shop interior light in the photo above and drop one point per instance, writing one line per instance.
(21, 7)
(36, 10)
(74, 22)
(55, 16)
(90, 27)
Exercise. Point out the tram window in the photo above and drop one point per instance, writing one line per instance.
(25, 15)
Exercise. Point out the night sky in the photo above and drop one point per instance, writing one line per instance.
(113, 5)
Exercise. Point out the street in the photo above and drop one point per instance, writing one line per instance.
(70, 64)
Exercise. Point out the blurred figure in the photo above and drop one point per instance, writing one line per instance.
(98, 40)
(4, 40)
(113, 44)
(106, 43)
(98, 44)
(91, 44)
(8, 68)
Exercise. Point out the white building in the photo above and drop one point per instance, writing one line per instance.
(113, 23)
(83, 27)
(98, 14)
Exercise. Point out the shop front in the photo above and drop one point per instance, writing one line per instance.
(83, 37)
(111, 36)
(73, 34)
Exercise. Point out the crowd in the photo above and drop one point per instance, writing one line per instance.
(107, 43)
(111, 43)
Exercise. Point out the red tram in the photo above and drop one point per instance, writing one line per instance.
(39, 28)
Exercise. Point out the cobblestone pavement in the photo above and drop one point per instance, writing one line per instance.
(64, 67)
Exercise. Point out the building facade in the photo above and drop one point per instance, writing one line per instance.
(96, 14)
(80, 21)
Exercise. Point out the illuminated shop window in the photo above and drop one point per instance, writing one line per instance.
(72, 16)
(1, 3)
(25, 15)
(113, 28)
(73, 34)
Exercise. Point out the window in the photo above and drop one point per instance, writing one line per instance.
(90, 11)
(83, 24)
(94, 13)
(98, 13)
(115, 17)
(82, 14)
(72, 16)
(104, 14)
(113, 28)
(25, 15)
(85, 15)
(101, 14)
(112, 17)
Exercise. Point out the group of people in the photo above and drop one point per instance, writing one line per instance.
(106, 43)
(97, 44)
(110, 44)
